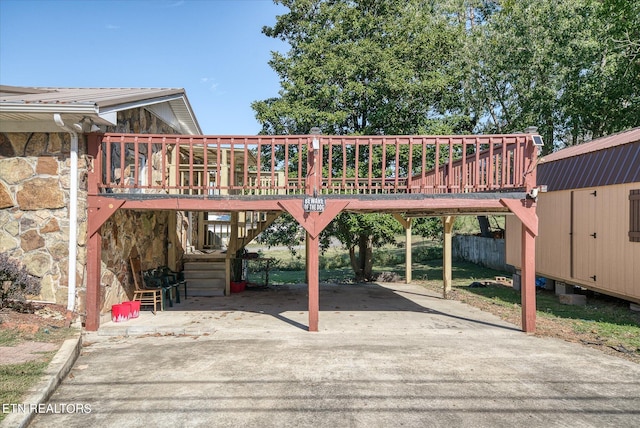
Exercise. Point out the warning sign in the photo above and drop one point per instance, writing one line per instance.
(313, 205)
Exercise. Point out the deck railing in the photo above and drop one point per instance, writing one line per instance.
(213, 166)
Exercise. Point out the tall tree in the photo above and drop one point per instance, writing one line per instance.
(364, 67)
(569, 67)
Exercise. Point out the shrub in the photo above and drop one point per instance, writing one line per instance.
(15, 282)
(383, 257)
(425, 254)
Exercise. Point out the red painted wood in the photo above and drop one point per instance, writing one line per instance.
(528, 281)
(101, 212)
(502, 166)
(487, 169)
(313, 223)
(400, 205)
(92, 298)
(313, 275)
(525, 211)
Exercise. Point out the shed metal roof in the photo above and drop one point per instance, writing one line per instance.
(603, 143)
(614, 159)
(31, 108)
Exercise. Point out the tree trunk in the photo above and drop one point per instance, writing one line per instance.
(365, 249)
(355, 264)
(485, 228)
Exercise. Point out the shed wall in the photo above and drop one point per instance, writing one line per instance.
(610, 257)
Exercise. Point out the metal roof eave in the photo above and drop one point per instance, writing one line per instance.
(80, 108)
(187, 121)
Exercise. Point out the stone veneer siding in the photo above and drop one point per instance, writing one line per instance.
(34, 216)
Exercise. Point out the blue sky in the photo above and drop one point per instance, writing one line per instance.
(213, 48)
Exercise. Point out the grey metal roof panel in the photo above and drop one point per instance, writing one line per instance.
(101, 97)
(30, 107)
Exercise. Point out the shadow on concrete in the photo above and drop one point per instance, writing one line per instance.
(279, 300)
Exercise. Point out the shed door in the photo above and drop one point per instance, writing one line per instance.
(584, 234)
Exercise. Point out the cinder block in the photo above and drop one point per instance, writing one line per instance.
(562, 288)
(550, 284)
(634, 307)
(516, 281)
(573, 299)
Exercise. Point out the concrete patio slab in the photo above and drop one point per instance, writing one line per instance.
(385, 355)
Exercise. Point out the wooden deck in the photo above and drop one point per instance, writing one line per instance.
(409, 176)
(212, 166)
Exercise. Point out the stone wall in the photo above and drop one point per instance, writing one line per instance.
(127, 234)
(34, 217)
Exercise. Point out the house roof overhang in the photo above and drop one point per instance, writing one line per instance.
(32, 109)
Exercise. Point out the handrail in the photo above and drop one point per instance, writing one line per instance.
(213, 166)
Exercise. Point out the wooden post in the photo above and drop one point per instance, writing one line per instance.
(201, 230)
(406, 224)
(446, 256)
(306, 257)
(172, 257)
(313, 275)
(232, 247)
(407, 251)
(92, 299)
(525, 210)
(528, 281)
(313, 185)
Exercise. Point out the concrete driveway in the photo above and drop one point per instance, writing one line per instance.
(386, 355)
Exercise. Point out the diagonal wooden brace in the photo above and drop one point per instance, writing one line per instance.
(100, 212)
(524, 209)
(313, 222)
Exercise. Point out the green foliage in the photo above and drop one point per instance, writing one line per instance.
(283, 231)
(431, 228)
(426, 254)
(570, 67)
(16, 379)
(361, 67)
(368, 67)
(15, 281)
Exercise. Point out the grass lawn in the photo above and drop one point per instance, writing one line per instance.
(17, 379)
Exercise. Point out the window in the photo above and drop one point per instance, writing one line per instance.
(634, 215)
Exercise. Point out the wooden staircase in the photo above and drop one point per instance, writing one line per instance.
(205, 274)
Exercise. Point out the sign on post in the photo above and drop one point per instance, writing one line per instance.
(313, 204)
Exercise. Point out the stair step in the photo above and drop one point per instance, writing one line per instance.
(205, 283)
(206, 287)
(204, 265)
(203, 274)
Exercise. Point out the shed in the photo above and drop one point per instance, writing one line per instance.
(589, 218)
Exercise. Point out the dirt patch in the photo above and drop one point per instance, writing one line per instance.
(547, 327)
(26, 351)
(35, 317)
(30, 335)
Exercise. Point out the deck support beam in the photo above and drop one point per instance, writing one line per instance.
(406, 224)
(232, 248)
(313, 223)
(92, 300)
(447, 258)
(525, 210)
(100, 209)
(313, 279)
